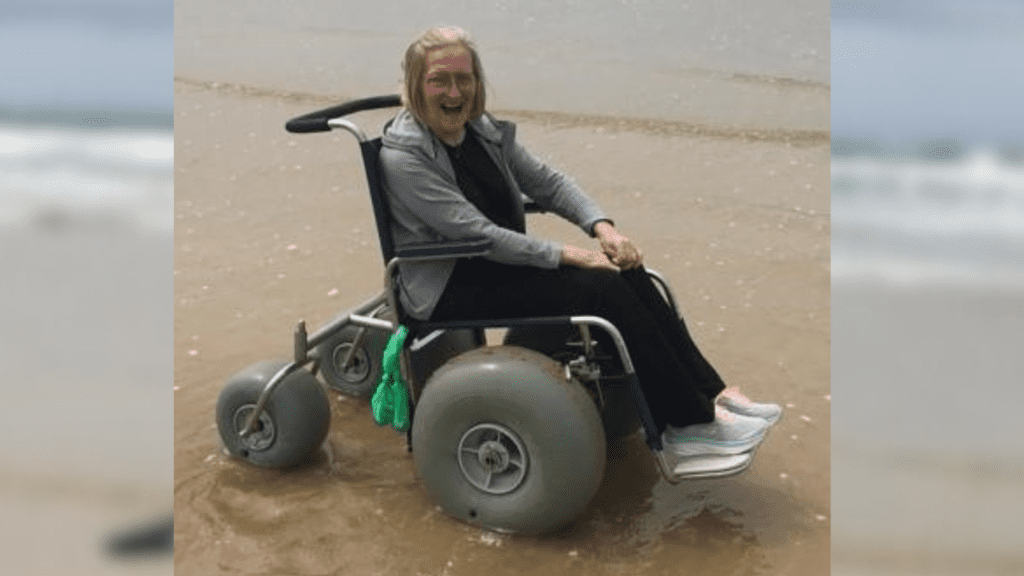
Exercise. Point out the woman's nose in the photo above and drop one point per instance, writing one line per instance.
(453, 90)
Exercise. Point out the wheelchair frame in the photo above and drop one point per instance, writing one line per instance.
(363, 315)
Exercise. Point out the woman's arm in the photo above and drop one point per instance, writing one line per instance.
(554, 190)
(583, 258)
(558, 193)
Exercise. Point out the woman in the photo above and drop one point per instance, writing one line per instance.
(453, 171)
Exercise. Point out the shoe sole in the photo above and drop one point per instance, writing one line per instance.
(710, 450)
(710, 471)
(706, 447)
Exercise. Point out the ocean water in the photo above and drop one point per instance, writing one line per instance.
(927, 154)
(928, 212)
(62, 164)
(928, 296)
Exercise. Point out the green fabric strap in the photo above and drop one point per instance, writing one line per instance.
(390, 401)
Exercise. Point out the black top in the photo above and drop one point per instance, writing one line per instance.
(482, 183)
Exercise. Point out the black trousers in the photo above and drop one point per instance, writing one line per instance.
(678, 382)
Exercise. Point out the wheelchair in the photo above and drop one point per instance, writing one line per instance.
(511, 438)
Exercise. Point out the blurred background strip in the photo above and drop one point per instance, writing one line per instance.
(927, 287)
(86, 191)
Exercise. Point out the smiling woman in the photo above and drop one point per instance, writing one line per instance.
(444, 82)
(450, 87)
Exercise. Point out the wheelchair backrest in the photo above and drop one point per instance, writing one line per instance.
(378, 195)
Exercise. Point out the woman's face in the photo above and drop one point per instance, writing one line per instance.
(449, 87)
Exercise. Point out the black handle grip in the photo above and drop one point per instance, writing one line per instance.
(302, 125)
(317, 121)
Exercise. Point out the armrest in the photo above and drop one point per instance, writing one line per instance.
(448, 249)
(532, 207)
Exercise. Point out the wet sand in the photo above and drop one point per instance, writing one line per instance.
(86, 404)
(934, 428)
(271, 228)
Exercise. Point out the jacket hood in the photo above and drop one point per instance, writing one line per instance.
(405, 131)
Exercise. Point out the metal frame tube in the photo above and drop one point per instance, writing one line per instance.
(627, 363)
(620, 343)
(389, 287)
(654, 274)
(356, 342)
(588, 347)
(329, 329)
(376, 323)
(346, 125)
(268, 389)
(670, 476)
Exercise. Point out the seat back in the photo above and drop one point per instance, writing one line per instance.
(378, 196)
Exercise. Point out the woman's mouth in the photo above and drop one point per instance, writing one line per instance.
(448, 109)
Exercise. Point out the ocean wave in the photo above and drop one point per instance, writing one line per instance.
(21, 146)
(934, 211)
(126, 174)
(913, 273)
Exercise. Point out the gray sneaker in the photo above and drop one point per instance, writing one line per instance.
(770, 412)
(696, 467)
(728, 433)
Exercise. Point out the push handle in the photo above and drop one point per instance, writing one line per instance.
(317, 121)
(303, 125)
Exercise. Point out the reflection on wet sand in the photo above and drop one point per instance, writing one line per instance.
(368, 512)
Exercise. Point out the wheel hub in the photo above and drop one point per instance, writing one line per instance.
(492, 458)
(358, 367)
(263, 432)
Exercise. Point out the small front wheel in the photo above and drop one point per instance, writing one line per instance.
(290, 428)
(350, 362)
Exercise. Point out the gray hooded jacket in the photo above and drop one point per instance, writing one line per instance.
(427, 205)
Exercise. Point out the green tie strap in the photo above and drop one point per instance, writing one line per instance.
(390, 401)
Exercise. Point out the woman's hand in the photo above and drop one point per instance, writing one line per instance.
(582, 258)
(620, 250)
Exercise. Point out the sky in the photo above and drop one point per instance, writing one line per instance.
(90, 54)
(921, 69)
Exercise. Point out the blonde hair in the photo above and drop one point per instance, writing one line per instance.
(414, 68)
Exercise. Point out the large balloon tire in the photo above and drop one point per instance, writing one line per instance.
(361, 376)
(512, 406)
(292, 425)
(618, 413)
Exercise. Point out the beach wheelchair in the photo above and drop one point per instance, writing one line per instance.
(512, 438)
